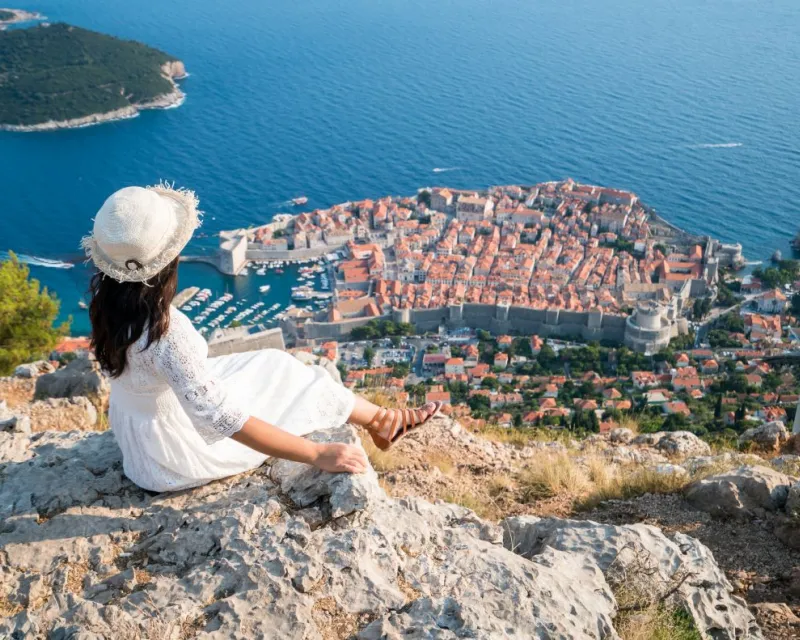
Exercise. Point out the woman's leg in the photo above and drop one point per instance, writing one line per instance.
(363, 411)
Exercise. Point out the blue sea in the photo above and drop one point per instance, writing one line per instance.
(693, 104)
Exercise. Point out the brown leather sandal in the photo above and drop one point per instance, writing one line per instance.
(404, 421)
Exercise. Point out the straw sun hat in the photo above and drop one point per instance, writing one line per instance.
(139, 231)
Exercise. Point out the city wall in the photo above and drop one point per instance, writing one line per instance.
(497, 319)
(335, 330)
(255, 253)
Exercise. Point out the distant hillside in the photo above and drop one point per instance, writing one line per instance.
(65, 75)
(5, 15)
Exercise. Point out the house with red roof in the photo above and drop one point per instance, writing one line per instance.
(454, 366)
(501, 360)
(679, 406)
(773, 301)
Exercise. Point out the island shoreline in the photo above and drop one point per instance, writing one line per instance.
(172, 71)
(166, 101)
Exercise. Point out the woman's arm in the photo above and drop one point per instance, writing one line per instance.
(277, 443)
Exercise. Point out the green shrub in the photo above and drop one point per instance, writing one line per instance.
(27, 316)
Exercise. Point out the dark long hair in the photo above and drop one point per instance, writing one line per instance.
(120, 312)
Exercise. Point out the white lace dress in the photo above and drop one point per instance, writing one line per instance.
(172, 409)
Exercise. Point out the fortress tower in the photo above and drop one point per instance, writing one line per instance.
(649, 328)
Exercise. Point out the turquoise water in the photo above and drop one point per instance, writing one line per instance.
(693, 105)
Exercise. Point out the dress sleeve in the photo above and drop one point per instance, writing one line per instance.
(202, 396)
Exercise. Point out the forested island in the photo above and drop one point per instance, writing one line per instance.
(60, 76)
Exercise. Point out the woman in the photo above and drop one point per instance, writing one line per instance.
(181, 419)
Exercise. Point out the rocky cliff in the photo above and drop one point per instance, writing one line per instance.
(616, 536)
(290, 552)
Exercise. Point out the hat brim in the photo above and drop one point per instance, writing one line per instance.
(188, 218)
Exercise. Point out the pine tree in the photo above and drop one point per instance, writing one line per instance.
(27, 316)
(718, 407)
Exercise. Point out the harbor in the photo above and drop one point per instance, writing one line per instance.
(259, 297)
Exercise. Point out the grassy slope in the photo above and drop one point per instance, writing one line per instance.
(62, 72)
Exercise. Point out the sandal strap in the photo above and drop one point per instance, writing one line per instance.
(377, 420)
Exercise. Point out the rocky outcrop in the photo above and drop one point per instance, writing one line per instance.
(33, 369)
(769, 436)
(81, 377)
(622, 436)
(175, 69)
(13, 422)
(288, 552)
(19, 16)
(679, 444)
(745, 492)
(641, 559)
(63, 414)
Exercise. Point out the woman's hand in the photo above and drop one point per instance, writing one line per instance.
(340, 458)
(275, 442)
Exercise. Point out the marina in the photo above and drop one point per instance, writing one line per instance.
(269, 290)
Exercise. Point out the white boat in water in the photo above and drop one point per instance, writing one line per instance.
(264, 288)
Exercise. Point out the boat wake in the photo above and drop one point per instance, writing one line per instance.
(718, 145)
(754, 263)
(444, 169)
(36, 261)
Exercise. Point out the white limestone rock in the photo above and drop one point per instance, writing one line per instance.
(769, 436)
(746, 492)
(621, 435)
(792, 506)
(346, 493)
(682, 444)
(641, 557)
(671, 470)
(708, 465)
(11, 422)
(289, 552)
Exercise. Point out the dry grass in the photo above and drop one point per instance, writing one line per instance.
(76, 571)
(383, 461)
(549, 475)
(646, 610)
(723, 466)
(441, 461)
(484, 506)
(590, 481)
(381, 397)
(790, 469)
(628, 421)
(628, 483)
(523, 437)
(501, 485)
(656, 623)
